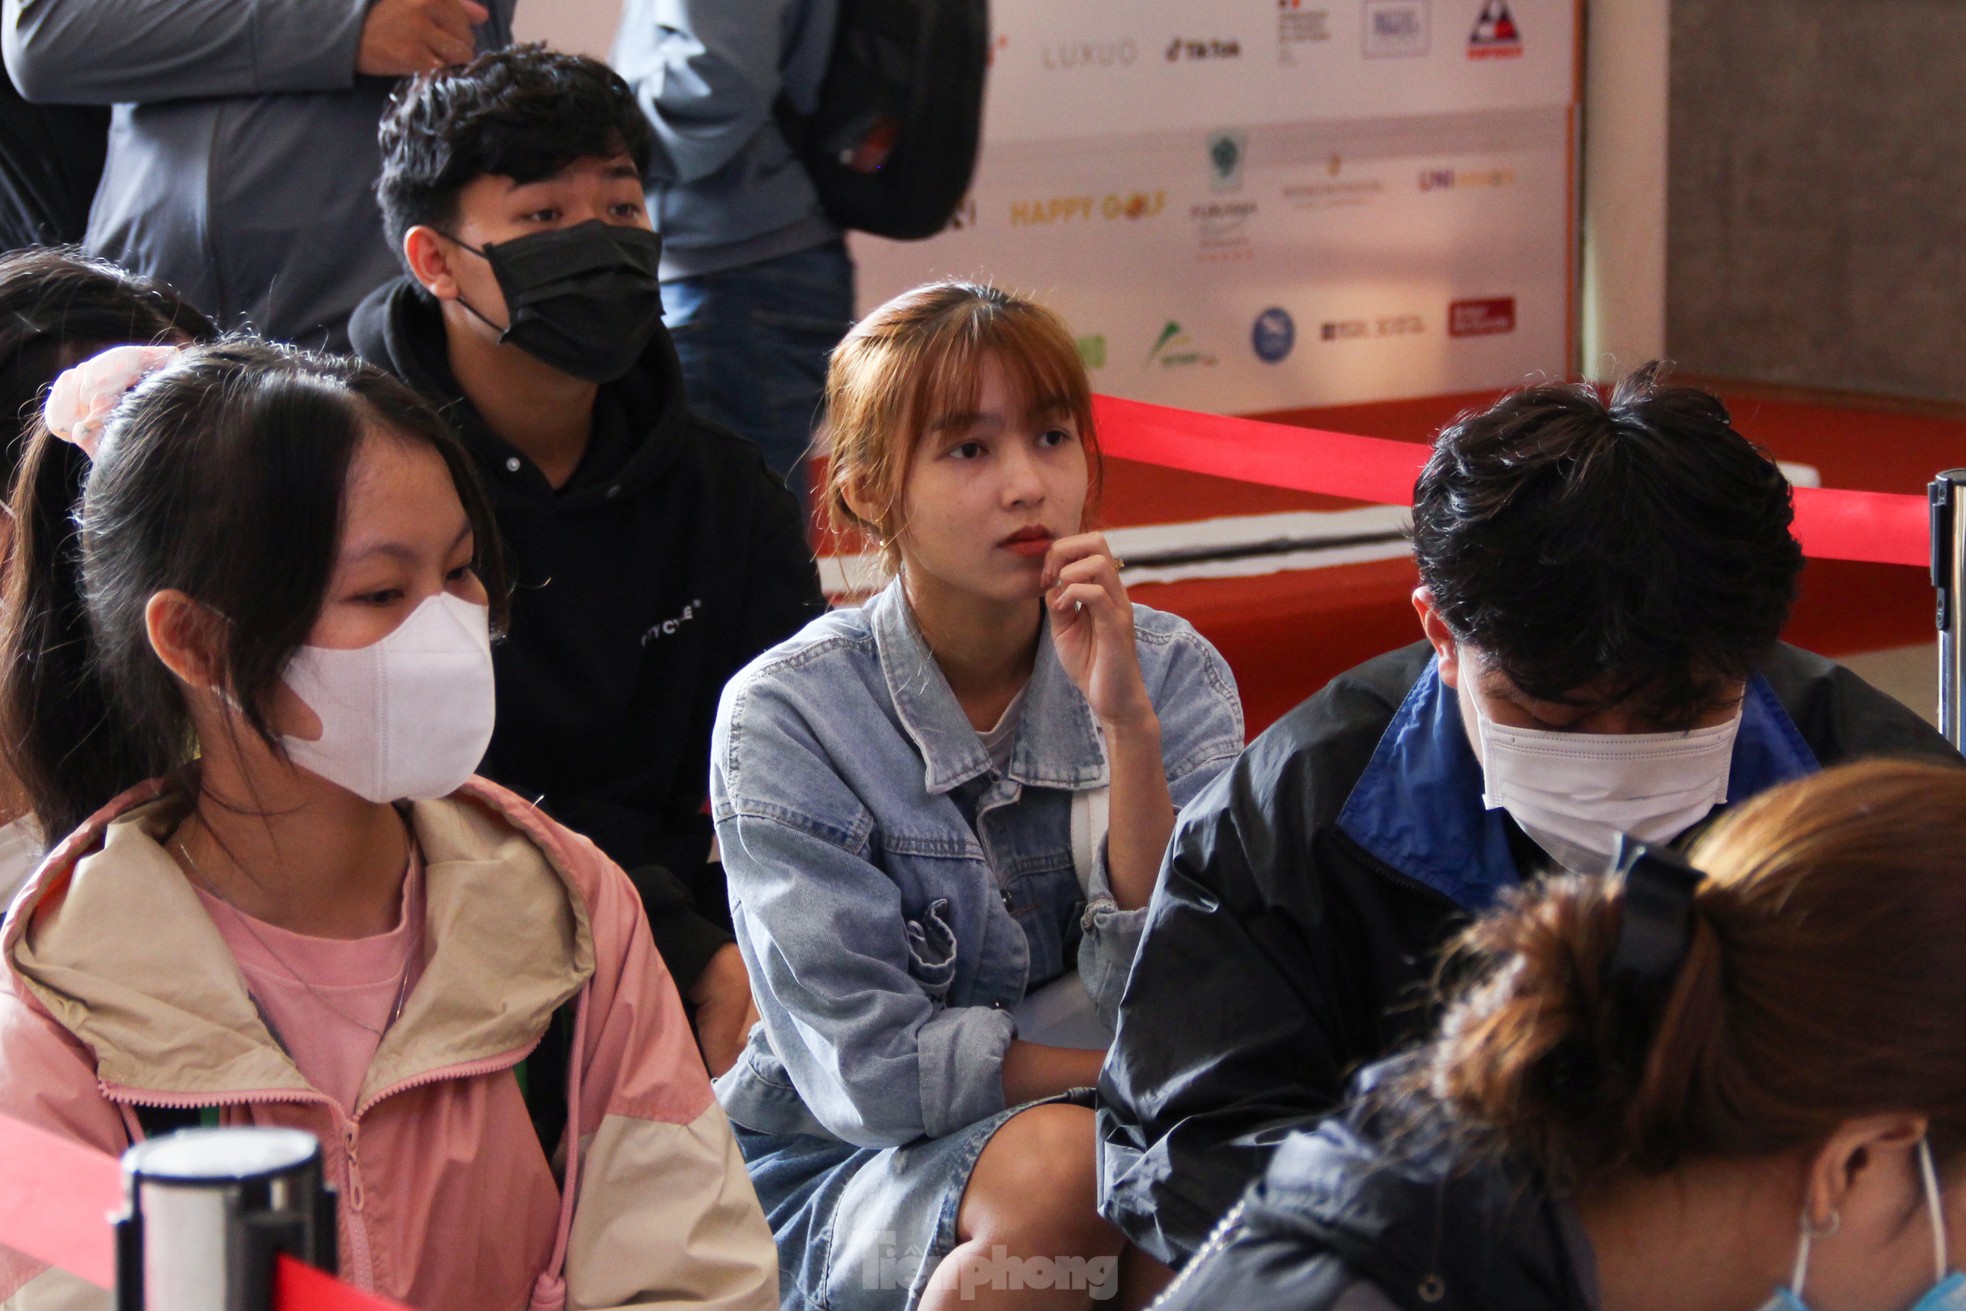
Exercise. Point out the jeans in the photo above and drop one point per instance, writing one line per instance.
(753, 342)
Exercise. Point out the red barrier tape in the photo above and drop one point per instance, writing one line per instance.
(1877, 527)
(298, 1286)
(56, 1199)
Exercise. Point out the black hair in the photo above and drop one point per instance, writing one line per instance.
(1639, 546)
(57, 308)
(223, 475)
(524, 113)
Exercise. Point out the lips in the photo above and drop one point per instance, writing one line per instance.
(1029, 542)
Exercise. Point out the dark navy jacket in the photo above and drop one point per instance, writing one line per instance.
(1384, 1197)
(1307, 896)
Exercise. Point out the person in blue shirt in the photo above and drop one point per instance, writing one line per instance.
(941, 817)
(1604, 576)
(757, 283)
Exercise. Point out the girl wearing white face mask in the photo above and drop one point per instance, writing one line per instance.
(1742, 1091)
(252, 689)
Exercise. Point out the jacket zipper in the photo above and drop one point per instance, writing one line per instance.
(362, 1259)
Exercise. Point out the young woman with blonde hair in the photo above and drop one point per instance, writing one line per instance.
(940, 803)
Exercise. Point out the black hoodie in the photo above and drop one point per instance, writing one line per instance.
(669, 559)
(1379, 1207)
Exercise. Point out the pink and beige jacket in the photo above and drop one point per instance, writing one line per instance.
(118, 992)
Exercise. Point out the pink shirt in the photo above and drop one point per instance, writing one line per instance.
(328, 1000)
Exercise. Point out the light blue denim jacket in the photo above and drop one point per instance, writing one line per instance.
(888, 938)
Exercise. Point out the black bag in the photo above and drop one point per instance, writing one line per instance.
(892, 144)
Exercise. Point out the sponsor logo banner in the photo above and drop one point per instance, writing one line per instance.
(1390, 325)
(1225, 156)
(1082, 209)
(1481, 318)
(1396, 29)
(1202, 49)
(1495, 34)
(1175, 349)
(1299, 28)
(1465, 179)
(1273, 335)
(1072, 56)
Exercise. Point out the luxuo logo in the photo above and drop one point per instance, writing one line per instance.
(1071, 56)
(1495, 34)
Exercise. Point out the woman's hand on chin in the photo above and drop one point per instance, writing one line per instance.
(1092, 628)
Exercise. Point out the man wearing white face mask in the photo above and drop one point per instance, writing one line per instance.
(1603, 583)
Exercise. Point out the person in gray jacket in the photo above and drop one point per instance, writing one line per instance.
(242, 151)
(756, 283)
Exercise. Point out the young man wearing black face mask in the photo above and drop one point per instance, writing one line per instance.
(654, 554)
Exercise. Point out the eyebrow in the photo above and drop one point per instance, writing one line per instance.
(398, 551)
(1050, 407)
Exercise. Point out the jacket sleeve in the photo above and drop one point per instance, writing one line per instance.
(826, 939)
(665, 1213)
(1230, 1033)
(1201, 736)
(705, 73)
(113, 51)
(48, 1079)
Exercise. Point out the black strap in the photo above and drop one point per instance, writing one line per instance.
(1655, 932)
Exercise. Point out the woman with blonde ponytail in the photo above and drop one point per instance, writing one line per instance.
(1731, 1083)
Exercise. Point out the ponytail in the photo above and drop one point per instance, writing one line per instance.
(1819, 984)
(67, 743)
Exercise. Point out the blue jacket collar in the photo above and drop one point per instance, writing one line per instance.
(1417, 807)
(1058, 741)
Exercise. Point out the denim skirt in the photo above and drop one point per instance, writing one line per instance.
(863, 1228)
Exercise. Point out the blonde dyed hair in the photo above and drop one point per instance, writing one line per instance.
(919, 358)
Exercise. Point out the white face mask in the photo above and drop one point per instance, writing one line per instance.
(407, 718)
(1575, 792)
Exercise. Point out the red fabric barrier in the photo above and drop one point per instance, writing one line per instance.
(56, 1200)
(56, 1197)
(1876, 527)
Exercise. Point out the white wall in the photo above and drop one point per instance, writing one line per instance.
(586, 26)
(1627, 49)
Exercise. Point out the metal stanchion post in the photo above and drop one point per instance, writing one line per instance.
(1948, 492)
(209, 1210)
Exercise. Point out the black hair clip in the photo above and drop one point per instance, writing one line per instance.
(1655, 931)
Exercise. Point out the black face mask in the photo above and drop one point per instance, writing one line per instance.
(584, 299)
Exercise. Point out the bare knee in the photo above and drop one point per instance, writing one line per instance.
(1035, 1181)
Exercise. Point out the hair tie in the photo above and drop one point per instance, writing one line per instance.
(1655, 933)
(82, 398)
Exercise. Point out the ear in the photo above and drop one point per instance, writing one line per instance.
(1853, 1157)
(428, 253)
(863, 506)
(186, 636)
(1447, 651)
